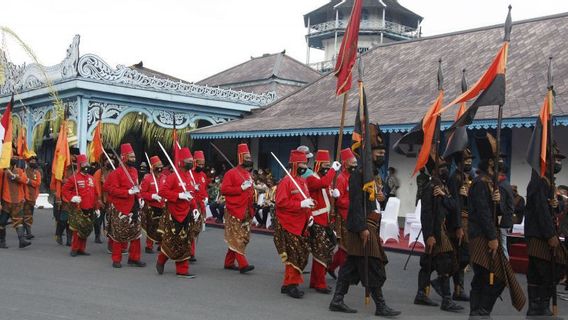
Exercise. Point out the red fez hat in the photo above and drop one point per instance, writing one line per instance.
(242, 149)
(323, 156)
(185, 154)
(125, 149)
(347, 154)
(297, 156)
(198, 155)
(81, 158)
(154, 160)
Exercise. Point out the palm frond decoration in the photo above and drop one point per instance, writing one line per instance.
(147, 132)
(57, 102)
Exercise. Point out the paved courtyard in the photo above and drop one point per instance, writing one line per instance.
(43, 282)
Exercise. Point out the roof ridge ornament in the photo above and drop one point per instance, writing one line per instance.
(92, 67)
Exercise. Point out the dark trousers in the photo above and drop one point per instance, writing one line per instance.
(353, 272)
(539, 274)
(482, 294)
(217, 210)
(441, 263)
(98, 223)
(261, 215)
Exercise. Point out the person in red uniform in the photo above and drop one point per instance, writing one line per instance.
(321, 245)
(200, 183)
(237, 187)
(12, 182)
(294, 216)
(32, 191)
(80, 190)
(153, 203)
(124, 213)
(175, 223)
(341, 195)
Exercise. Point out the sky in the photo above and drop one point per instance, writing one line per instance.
(195, 39)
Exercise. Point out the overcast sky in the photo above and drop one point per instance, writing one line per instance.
(194, 39)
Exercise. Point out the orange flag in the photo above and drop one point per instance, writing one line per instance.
(61, 160)
(96, 147)
(21, 142)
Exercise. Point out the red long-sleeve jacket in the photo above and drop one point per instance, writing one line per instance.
(117, 185)
(178, 208)
(290, 215)
(148, 188)
(200, 195)
(319, 191)
(237, 200)
(85, 188)
(342, 203)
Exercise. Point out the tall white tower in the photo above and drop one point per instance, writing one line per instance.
(382, 21)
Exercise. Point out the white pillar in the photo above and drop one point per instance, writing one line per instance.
(83, 109)
(308, 43)
(336, 27)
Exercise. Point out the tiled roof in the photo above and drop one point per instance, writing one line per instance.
(266, 67)
(153, 73)
(400, 80)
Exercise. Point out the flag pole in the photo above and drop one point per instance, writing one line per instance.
(341, 126)
(550, 163)
(436, 177)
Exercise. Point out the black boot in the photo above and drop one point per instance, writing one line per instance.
(3, 238)
(337, 303)
(382, 309)
(21, 237)
(534, 301)
(28, 230)
(474, 303)
(59, 227)
(294, 292)
(447, 303)
(545, 295)
(422, 299)
(68, 236)
(459, 292)
(437, 286)
(97, 229)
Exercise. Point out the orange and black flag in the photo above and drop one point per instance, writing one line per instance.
(361, 144)
(458, 141)
(490, 88)
(348, 50)
(538, 152)
(423, 133)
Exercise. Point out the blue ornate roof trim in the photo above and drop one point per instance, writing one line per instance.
(391, 128)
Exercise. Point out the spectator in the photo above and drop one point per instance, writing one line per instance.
(392, 183)
(216, 200)
(519, 205)
(261, 190)
(421, 180)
